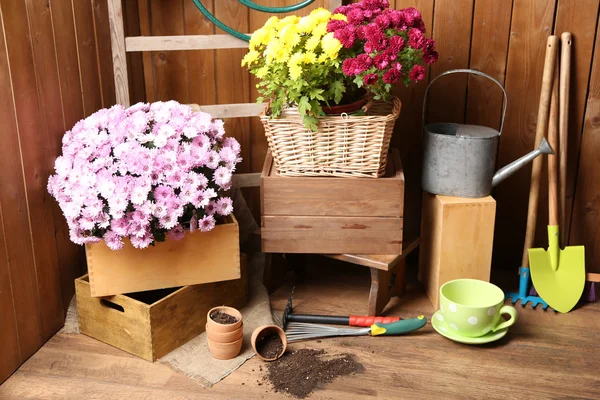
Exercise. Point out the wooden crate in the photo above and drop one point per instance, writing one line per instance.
(457, 236)
(153, 323)
(201, 257)
(331, 215)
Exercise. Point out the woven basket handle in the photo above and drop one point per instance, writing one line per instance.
(468, 71)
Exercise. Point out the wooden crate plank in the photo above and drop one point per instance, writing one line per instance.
(83, 17)
(331, 235)
(201, 64)
(13, 197)
(232, 81)
(10, 354)
(452, 31)
(489, 47)
(586, 203)
(135, 61)
(531, 24)
(230, 110)
(37, 165)
(170, 67)
(117, 34)
(578, 18)
(147, 57)
(104, 50)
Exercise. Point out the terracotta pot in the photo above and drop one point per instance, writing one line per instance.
(225, 351)
(213, 326)
(225, 337)
(267, 330)
(345, 108)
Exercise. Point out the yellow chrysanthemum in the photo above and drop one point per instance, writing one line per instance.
(289, 20)
(320, 29)
(312, 43)
(271, 23)
(309, 57)
(273, 51)
(331, 45)
(321, 14)
(307, 24)
(289, 35)
(294, 65)
(261, 36)
(250, 57)
(340, 17)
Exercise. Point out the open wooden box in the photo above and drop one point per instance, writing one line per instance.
(200, 257)
(153, 323)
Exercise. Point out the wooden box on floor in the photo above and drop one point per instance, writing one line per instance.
(330, 215)
(457, 236)
(152, 324)
(200, 257)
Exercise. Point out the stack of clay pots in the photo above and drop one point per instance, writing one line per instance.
(224, 340)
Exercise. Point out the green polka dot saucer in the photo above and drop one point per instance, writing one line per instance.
(441, 327)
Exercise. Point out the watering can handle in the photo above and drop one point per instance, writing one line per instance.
(469, 71)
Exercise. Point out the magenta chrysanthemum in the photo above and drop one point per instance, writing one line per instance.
(370, 79)
(417, 73)
(391, 76)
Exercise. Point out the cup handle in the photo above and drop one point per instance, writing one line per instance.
(513, 318)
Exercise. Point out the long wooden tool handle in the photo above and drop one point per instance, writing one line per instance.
(563, 127)
(552, 161)
(542, 124)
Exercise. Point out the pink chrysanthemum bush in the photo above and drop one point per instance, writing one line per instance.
(143, 173)
(382, 46)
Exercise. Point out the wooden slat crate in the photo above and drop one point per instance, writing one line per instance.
(330, 215)
(151, 324)
(200, 257)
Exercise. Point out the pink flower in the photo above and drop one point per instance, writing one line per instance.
(210, 208)
(417, 73)
(415, 38)
(373, 33)
(142, 242)
(364, 62)
(113, 241)
(396, 44)
(335, 25)
(222, 177)
(384, 21)
(355, 16)
(381, 61)
(213, 159)
(370, 79)
(224, 206)
(391, 76)
(207, 223)
(346, 36)
(177, 233)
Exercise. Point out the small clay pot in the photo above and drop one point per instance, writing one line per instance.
(225, 337)
(225, 351)
(212, 326)
(267, 330)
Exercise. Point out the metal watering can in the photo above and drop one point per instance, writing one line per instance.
(460, 160)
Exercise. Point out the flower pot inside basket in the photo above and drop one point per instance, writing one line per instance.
(200, 257)
(351, 103)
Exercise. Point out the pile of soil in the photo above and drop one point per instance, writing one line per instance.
(301, 372)
(223, 318)
(270, 346)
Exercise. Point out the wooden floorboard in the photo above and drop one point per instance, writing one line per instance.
(545, 356)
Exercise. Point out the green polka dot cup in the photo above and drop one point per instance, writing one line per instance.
(473, 308)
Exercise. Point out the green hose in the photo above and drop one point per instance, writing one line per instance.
(252, 5)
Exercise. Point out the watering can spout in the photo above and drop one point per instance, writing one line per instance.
(511, 168)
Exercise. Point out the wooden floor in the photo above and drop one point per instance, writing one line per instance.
(545, 356)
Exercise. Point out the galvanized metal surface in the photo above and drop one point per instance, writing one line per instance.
(511, 168)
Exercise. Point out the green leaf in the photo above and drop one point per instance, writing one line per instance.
(159, 236)
(310, 122)
(304, 105)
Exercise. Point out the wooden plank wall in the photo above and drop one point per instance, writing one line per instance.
(504, 38)
(55, 68)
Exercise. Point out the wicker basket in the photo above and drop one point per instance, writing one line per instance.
(342, 146)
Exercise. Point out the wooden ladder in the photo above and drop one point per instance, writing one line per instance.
(121, 45)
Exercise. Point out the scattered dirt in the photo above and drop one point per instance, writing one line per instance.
(270, 347)
(223, 318)
(301, 372)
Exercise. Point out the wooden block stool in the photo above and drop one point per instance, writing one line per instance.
(457, 236)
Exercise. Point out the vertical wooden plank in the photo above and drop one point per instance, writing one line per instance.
(83, 17)
(489, 48)
(232, 81)
(135, 63)
(532, 22)
(452, 32)
(117, 34)
(37, 165)
(13, 197)
(407, 132)
(53, 128)
(201, 63)
(104, 51)
(65, 44)
(10, 355)
(170, 67)
(577, 17)
(586, 218)
(147, 56)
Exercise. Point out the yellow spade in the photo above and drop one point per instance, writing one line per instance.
(558, 275)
